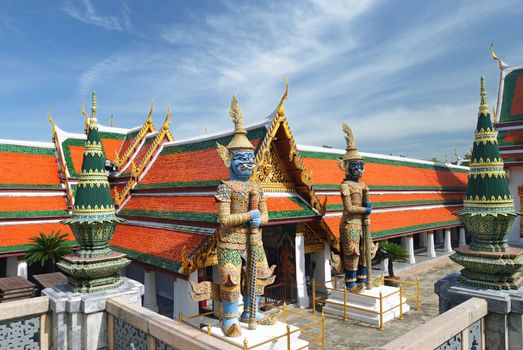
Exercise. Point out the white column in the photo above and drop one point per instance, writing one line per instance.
(431, 252)
(462, 238)
(322, 271)
(423, 239)
(301, 285)
(448, 241)
(21, 270)
(182, 297)
(408, 243)
(149, 298)
(12, 266)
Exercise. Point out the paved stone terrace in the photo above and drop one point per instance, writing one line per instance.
(350, 334)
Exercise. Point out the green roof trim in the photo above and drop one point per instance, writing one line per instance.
(509, 88)
(180, 184)
(502, 134)
(30, 186)
(306, 211)
(512, 160)
(33, 214)
(408, 229)
(385, 188)
(153, 260)
(332, 156)
(174, 215)
(44, 151)
(23, 247)
(332, 207)
(111, 135)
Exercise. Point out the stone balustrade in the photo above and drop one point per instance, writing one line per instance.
(25, 324)
(459, 328)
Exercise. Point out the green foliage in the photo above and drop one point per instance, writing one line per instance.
(47, 249)
(393, 252)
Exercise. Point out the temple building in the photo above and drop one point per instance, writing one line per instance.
(508, 118)
(164, 189)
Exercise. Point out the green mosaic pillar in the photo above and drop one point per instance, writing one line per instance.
(488, 214)
(95, 266)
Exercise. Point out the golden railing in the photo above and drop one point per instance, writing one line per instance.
(314, 321)
(323, 298)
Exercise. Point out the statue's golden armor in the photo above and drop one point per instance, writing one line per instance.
(234, 200)
(354, 195)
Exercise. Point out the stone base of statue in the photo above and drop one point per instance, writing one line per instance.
(365, 306)
(262, 334)
(492, 270)
(79, 319)
(504, 321)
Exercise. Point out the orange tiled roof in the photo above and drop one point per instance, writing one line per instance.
(18, 235)
(8, 204)
(405, 198)
(145, 243)
(198, 204)
(28, 169)
(326, 171)
(397, 222)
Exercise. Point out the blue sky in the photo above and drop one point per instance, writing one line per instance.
(403, 74)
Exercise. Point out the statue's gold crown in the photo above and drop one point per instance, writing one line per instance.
(351, 150)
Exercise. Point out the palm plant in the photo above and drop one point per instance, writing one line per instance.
(393, 252)
(47, 249)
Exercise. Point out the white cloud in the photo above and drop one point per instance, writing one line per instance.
(88, 14)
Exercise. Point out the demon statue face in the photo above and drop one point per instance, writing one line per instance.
(242, 165)
(356, 169)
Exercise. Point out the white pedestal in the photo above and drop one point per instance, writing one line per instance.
(264, 333)
(368, 300)
(79, 320)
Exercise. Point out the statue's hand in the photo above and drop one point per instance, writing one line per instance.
(256, 220)
(368, 208)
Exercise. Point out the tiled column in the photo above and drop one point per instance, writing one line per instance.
(408, 243)
(462, 238)
(149, 298)
(448, 241)
(431, 252)
(301, 284)
(182, 297)
(423, 239)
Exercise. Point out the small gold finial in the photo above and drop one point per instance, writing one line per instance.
(86, 122)
(111, 121)
(281, 111)
(149, 117)
(502, 65)
(494, 115)
(93, 104)
(51, 121)
(167, 121)
(483, 107)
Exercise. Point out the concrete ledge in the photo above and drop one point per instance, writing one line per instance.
(440, 329)
(171, 332)
(23, 308)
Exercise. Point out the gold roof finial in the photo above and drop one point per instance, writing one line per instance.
(167, 120)
(149, 119)
(483, 107)
(502, 65)
(51, 121)
(281, 111)
(86, 122)
(111, 121)
(494, 116)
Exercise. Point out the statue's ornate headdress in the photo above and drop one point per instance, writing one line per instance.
(351, 150)
(239, 141)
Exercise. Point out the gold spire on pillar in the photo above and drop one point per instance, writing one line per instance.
(483, 107)
(502, 65)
